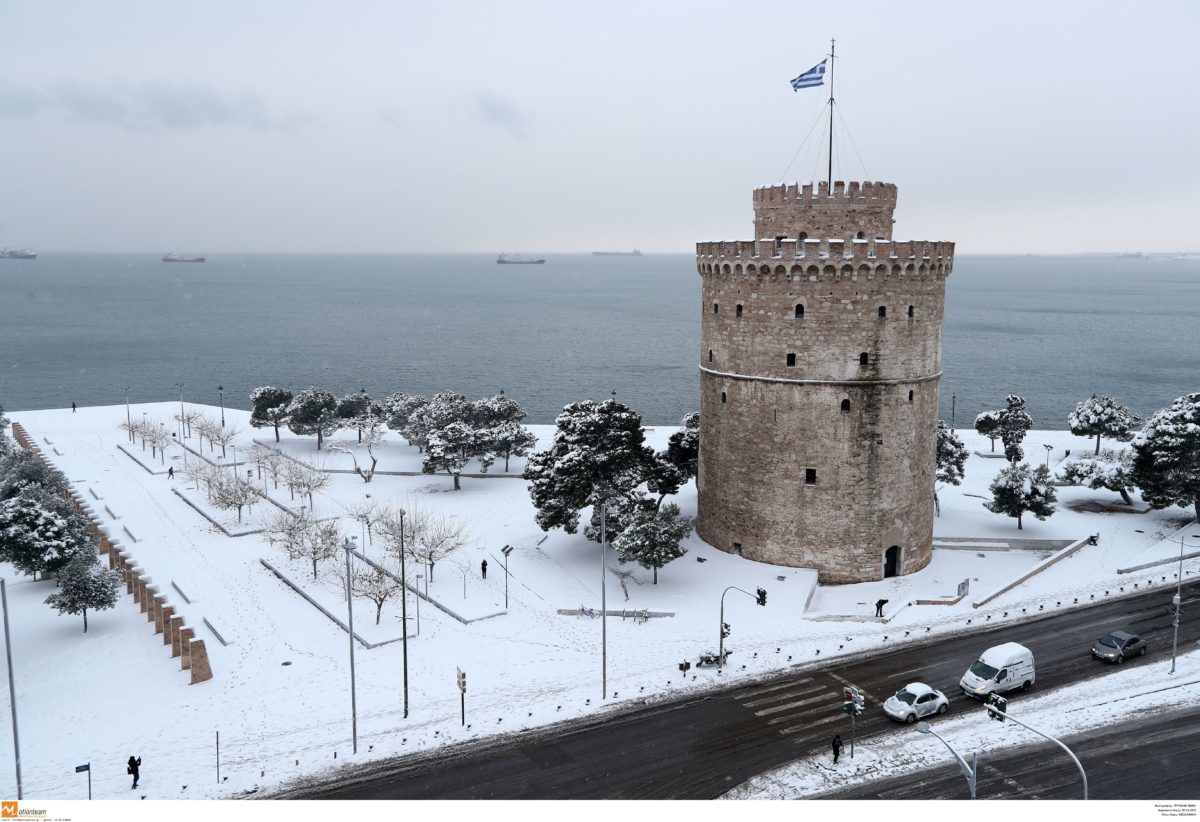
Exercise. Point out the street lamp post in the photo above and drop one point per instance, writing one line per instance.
(12, 691)
(953, 408)
(1048, 448)
(180, 386)
(506, 550)
(603, 603)
(349, 549)
(418, 593)
(971, 772)
(221, 395)
(404, 614)
(761, 598)
(128, 418)
(1177, 603)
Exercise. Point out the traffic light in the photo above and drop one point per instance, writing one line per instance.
(724, 629)
(1000, 706)
(762, 596)
(462, 682)
(685, 666)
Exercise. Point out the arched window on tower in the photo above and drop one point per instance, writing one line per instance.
(791, 360)
(710, 359)
(910, 396)
(739, 309)
(863, 359)
(858, 236)
(722, 397)
(803, 236)
(845, 406)
(882, 311)
(799, 311)
(716, 308)
(912, 311)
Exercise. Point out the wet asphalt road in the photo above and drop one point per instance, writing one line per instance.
(700, 747)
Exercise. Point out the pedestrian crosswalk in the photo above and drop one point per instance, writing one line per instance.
(798, 705)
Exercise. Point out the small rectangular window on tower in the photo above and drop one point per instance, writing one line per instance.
(791, 360)
(810, 476)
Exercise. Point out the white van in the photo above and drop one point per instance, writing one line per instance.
(1000, 669)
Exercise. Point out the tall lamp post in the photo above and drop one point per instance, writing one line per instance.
(971, 772)
(180, 386)
(603, 602)
(221, 396)
(349, 549)
(418, 593)
(404, 614)
(12, 692)
(760, 598)
(128, 417)
(506, 550)
(1048, 448)
(1177, 603)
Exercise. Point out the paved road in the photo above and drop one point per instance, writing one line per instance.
(1155, 758)
(698, 748)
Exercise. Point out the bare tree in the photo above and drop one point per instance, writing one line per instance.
(370, 431)
(159, 437)
(368, 513)
(304, 479)
(205, 426)
(428, 537)
(304, 538)
(224, 435)
(373, 584)
(267, 460)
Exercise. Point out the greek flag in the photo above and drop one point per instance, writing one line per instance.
(812, 78)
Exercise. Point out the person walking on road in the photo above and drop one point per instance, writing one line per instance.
(483, 568)
(171, 472)
(133, 767)
(837, 747)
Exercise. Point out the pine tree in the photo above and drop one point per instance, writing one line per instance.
(20, 469)
(683, 448)
(1166, 456)
(1100, 417)
(987, 425)
(652, 538)
(951, 459)
(37, 540)
(1014, 423)
(270, 407)
(314, 411)
(599, 452)
(84, 583)
(1111, 470)
(402, 411)
(1018, 489)
(6, 444)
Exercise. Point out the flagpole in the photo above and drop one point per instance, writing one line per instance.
(829, 177)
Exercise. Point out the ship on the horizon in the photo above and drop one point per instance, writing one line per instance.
(505, 259)
(634, 253)
(18, 254)
(175, 258)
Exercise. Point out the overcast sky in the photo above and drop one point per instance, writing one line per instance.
(527, 126)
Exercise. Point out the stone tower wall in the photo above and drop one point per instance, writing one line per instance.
(853, 211)
(785, 393)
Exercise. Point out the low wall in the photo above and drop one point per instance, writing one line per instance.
(1037, 569)
(147, 596)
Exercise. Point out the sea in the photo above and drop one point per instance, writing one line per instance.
(78, 327)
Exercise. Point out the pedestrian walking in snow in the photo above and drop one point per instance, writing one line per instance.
(171, 472)
(837, 747)
(879, 607)
(132, 767)
(483, 568)
(72, 408)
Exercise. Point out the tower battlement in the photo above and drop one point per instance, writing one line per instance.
(851, 210)
(921, 254)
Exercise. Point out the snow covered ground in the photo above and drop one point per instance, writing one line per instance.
(279, 696)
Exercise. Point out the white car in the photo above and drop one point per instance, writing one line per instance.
(915, 701)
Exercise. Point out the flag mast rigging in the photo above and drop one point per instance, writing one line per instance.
(829, 172)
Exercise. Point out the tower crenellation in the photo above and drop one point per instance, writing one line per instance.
(820, 362)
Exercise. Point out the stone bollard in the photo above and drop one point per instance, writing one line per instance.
(164, 627)
(149, 599)
(201, 670)
(132, 574)
(144, 583)
(186, 635)
(159, 602)
(105, 546)
(176, 636)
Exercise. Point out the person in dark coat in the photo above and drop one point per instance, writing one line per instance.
(837, 747)
(72, 408)
(171, 472)
(483, 568)
(132, 767)
(879, 607)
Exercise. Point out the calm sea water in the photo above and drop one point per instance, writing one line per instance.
(78, 327)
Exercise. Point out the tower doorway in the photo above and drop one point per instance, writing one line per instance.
(891, 561)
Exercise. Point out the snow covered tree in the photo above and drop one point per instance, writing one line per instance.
(1100, 417)
(1111, 470)
(368, 513)
(304, 479)
(951, 459)
(1014, 423)
(683, 448)
(303, 537)
(618, 511)
(224, 436)
(36, 540)
(599, 452)
(270, 407)
(6, 444)
(160, 438)
(987, 425)
(428, 537)
(314, 411)
(84, 583)
(190, 416)
(510, 439)
(403, 416)
(267, 460)
(651, 537)
(356, 409)
(373, 584)
(20, 469)
(1018, 489)
(228, 492)
(370, 437)
(453, 436)
(1166, 456)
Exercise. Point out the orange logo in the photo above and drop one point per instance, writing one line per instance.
(8, 810)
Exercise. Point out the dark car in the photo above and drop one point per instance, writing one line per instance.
(1118, 646)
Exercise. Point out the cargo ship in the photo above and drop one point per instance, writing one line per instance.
(634, 253)
(18, 254)
(175, 258)
(505, 259)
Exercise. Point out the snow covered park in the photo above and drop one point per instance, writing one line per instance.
(529, 645)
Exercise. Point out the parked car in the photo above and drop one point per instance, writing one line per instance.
(1118, 646)
(915, 700)
(1000, 669)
